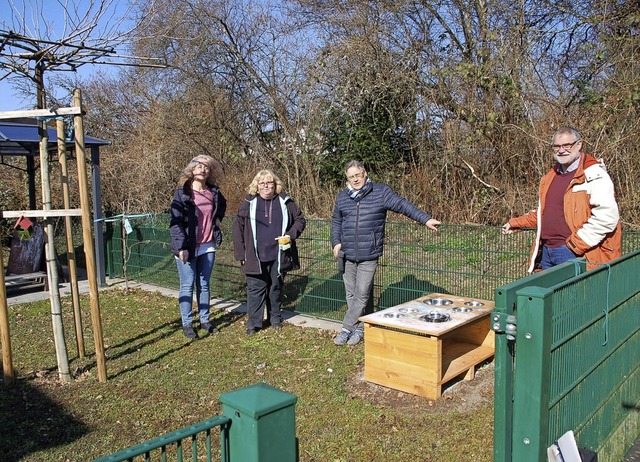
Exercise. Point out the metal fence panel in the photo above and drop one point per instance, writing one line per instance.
(504, 367)
(194, 439)
(465, 260)
(577, 359)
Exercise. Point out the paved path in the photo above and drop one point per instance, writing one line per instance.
(291, 317)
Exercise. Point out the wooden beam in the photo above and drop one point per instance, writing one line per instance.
(89, 255)
(52, 112)
(41, 213)
(5, 334)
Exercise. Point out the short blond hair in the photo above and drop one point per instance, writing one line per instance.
(264, 175)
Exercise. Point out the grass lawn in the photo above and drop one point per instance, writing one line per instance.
(158, 381)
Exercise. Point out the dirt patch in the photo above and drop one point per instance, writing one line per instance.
(460, 396)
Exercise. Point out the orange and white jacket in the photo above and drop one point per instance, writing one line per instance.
(590, 210)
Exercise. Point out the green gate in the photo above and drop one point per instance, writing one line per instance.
(568, 358)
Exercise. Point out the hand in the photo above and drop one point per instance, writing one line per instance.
(432, 224)
(336, 249)
(183, 255)
(507, 229)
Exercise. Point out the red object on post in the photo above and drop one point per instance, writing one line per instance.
(23, 222)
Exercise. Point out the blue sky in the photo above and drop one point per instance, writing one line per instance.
(45, 19)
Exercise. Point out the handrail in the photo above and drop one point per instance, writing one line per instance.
(176, 437)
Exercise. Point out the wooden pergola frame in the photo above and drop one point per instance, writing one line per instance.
(46, 213)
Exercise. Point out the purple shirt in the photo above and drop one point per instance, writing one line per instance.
(204, 212)
(268, 227)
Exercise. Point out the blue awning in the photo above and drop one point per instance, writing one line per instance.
(17, 139)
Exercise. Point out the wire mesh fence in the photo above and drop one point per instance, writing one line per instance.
(463, 260)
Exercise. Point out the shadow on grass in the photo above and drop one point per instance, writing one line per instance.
(31, 422)
(155, 335)
(149, 338)
(324, 298)
(409, 288)
(227, 318)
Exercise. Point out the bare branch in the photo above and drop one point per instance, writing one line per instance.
(473, 173)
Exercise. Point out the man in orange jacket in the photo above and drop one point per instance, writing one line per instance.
(577, 214)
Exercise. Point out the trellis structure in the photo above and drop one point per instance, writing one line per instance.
(52, 275)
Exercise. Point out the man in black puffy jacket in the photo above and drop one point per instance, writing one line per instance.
(357, 236)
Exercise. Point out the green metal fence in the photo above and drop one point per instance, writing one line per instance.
(257, 425)
(184, 444)
(575, 337)
(465, 260)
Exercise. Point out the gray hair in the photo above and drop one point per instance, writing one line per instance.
(215, 170)
(353, 163)
(567, 130)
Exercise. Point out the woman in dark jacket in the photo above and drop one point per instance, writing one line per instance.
(264, 241)
(197, 209)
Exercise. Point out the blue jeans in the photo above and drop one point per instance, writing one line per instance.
(196, 270)
(552, 256)
(358, 285)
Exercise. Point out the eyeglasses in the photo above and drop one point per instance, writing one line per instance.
(204, 166)
(566, 146)
(357, 175)
(266, 184)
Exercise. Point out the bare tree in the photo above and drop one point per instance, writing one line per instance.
(469, 91)
(62, 37)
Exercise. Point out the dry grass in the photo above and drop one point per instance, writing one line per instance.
(159, 382)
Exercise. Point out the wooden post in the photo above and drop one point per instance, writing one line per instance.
(71, 253)
(88, 241)
(52, 269)
(5, 336)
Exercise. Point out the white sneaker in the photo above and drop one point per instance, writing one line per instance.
(342, 337)
(355, 338)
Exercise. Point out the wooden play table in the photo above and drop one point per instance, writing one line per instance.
(406, 352)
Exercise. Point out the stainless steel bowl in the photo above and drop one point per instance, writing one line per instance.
(435, 316)
(437, 301)
(474, 303)
(465, 309)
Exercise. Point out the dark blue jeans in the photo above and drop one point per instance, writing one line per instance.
(552, 256)
(264, 288)
(196, 271)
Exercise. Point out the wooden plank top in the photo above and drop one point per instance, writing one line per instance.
(51, 112)
(406, 316)
(41, 213)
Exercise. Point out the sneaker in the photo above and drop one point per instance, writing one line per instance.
(189, 332)
(208, 327)
(277, 327)
(251, 331)
(342, 337)
(355, 338)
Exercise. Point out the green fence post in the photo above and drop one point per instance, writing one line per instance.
(506, 304)
(532, 377)
(262, 424)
